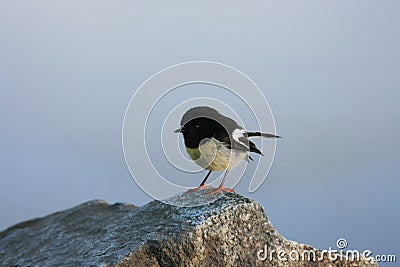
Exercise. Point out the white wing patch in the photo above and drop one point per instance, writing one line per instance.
(238, 133)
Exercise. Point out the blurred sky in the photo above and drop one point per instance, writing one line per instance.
(330, 71)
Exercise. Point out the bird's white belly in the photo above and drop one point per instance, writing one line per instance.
(213, 155)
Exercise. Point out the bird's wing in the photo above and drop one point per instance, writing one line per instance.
(240, 138)
(240, 141)
(231, 134)
(239, 144)
(254, 149)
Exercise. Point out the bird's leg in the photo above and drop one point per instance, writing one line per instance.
(202, 185)
(205, 179)
(221, 186)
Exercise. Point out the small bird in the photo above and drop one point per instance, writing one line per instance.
(216, 142)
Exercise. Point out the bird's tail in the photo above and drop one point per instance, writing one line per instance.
(266, 135)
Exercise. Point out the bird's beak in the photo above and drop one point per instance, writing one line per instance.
(180, 130)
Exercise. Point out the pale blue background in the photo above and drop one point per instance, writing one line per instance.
(329, 69)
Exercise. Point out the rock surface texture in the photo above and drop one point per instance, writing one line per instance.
(231, 231)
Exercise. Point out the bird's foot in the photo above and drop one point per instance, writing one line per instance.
(198, 188)
(222, 189)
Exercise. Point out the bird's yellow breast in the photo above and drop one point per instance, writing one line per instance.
(212, 155)
(194, 153)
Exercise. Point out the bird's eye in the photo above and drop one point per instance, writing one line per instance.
(197, 126)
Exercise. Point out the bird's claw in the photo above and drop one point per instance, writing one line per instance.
(222, 189)
(198, 188)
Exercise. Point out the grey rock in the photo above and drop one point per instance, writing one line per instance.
(230, 231)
